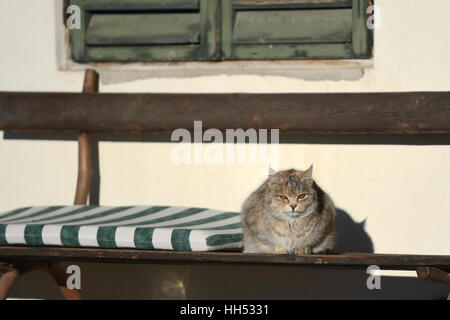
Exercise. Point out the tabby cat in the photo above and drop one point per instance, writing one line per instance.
(289, 213)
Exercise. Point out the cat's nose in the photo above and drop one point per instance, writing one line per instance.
(293, 206)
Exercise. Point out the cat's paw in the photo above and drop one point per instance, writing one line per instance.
(302, 251)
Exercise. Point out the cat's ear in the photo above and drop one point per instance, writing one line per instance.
(307, 175)
(272, 176)
(271, 171)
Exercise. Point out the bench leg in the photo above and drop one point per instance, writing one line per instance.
(7, 281)
(433, 274)
(12, 273)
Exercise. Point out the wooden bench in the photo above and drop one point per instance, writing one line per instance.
(394, 117)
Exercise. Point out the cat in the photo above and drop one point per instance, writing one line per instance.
(289, 214)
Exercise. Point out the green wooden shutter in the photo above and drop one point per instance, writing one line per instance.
(146, 30)
(295, 29)
(211, 30)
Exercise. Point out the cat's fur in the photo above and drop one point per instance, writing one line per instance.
(274, 224)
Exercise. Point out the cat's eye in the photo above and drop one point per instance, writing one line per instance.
(302, 196)
(284, 198)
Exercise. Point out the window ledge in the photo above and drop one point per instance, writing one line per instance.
(311, 70)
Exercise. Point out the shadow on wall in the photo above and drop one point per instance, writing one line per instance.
(351, 236)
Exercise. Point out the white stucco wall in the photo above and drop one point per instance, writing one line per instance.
(401, 190)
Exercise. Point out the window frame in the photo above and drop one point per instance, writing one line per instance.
(216, 23)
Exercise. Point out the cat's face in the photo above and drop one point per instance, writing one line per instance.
(292, 194)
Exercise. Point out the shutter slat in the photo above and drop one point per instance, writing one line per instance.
(293, 26)
(288, 51)
(134, 5)
(141, 29)
(143, 53)
(285, 4)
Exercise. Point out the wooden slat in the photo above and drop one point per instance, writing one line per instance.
(293, 26)
(253, 4)
(353, 260)
(146, 28)
(292, 51)
(356, 113)
(144, 53)
(132, 5)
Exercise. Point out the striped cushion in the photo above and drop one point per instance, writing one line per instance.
(141, 227)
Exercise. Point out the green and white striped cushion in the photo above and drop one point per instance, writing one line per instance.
(141, 227)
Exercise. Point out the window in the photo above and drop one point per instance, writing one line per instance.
(214, 30)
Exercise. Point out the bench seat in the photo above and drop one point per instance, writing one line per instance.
(159, 234)
(136, 227)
